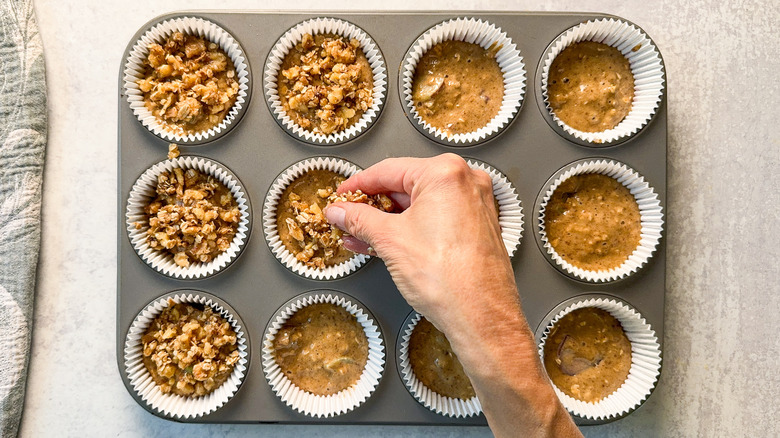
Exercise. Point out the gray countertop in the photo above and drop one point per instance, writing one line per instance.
(721, 344)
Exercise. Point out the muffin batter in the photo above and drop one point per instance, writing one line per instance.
(587, 355)
(593, 222)
(322, 349)
(435, 364)
(458, 87)
(591, 86)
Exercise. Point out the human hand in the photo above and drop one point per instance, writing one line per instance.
(444, 251)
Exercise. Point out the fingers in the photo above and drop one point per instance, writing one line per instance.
(484, 185)
(397, 175)
(402, 200)
(387, 176)
(366, 223)
(356, 245)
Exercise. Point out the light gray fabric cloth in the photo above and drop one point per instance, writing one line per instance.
(22, 146)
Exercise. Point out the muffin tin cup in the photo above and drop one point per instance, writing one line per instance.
(651, 217)
(510, 209)
(441, 404)
(162, 261)
(274, 198)
(321, 406)
(485, 35)
(645, 358)
(172, 405)
(287, 42)
(134, 71)
(646, 67)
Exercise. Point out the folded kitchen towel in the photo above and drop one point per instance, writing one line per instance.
(22, 146)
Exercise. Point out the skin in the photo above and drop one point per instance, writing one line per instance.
(445, 254)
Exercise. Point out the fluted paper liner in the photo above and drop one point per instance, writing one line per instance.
(443, 405)
(485, 35)
(272, 202)
(161, 260)
(324, 406)
(650, 211)
(646, 67)
(645, 362)
(172, 405)
(510, 209)
(288, 41)
(134, 71)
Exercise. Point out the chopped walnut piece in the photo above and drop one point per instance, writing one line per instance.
(173, 151)
(380, 201)
(189, 83)
(189, 349)
(325, 83)
(194, 217)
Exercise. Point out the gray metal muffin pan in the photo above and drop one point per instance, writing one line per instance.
(256, 149)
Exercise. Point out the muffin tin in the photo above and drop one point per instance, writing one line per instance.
(256, 149)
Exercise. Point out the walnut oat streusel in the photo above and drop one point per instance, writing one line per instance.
(302, 225)
(173, 151)
(194, 216)
(189, 83)
(325, 83)
(189, 349)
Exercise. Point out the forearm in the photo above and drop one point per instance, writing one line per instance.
(498, 353)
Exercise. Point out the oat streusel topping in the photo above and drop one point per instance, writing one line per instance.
(325, 84)
(194, 216)
(189, 83)
(302, 225)
(189, 349)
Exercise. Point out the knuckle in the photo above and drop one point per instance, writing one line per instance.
(483, 181)
(352, 220)
(453, 166)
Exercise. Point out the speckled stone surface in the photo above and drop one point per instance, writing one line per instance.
(721, 347)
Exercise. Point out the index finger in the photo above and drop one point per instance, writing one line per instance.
(387, 176)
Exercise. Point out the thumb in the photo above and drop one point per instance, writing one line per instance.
(367, 223)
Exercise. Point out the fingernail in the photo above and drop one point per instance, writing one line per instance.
(336, 216)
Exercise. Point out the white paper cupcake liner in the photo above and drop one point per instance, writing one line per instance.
(481, 33)
(443, 405)
(272, 201)
(134, 71)
(172, 405)
(324, 406)
(510, 209)
(650, 211)
(288, 41)
(645, 362)
(144, 190)
(646, 67)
